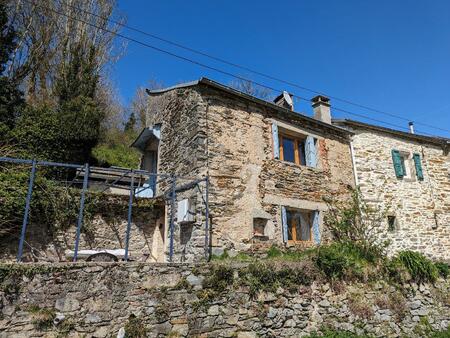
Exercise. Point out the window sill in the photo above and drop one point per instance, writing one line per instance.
(295, 165)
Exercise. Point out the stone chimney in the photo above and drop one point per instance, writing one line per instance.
(284, 100)
(321, 107)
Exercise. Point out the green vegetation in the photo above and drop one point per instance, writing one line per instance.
(335, 334)
(42, 318)
(443, 269)
(420, 268)
(135, 328)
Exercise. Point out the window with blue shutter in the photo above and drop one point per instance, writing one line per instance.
(311, 152)
(276, 141)
(418, 165)
(398, 162)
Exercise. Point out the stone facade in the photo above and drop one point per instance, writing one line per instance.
(210, 129)
(105, 229)
(421, 207)
(96, 300)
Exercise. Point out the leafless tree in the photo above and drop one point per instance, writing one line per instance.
(51, 30)
(139, 104)
(252, 89)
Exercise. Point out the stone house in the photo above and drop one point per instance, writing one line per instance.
(408, 175)
(269, 167)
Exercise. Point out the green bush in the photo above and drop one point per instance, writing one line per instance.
(135, 328)
(335, 334)
(268, 277)
(220, 277)
(443, 269)
(419, 267)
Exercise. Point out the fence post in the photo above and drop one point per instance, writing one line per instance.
(207, 219)
(80, 214)
(172, 210)
(27, 210)
(130, 208)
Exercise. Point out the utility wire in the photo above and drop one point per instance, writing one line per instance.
(215, 58)
(210, 67)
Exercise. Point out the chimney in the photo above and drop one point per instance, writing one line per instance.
(284, 100)
(321, 107)
(411, 127)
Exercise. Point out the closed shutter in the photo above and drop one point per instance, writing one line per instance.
(276, 141)
(284, 224)
(316, 226)
(398, 165)
(311, 152)
(418, 165)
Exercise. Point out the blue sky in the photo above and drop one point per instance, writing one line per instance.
(389, 55)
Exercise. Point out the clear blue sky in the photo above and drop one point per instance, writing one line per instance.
(390, 55)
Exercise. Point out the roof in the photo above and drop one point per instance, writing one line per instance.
(441, 141)
(142, 139)
(241, 95)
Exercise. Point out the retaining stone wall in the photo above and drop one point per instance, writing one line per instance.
(96, 300)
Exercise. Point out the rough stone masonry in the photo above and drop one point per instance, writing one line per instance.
(97, 299)
(209, 128)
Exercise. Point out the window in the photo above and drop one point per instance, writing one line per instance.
(392, 223)
(292, 149)
(407, 165)
(299, 224)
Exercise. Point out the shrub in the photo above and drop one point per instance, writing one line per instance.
(134, 328)
(268, 277)
(334, 334)
(420, 268)
(220, 278)
(443, 269)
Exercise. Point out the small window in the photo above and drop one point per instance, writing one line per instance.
(299, 225)
(292, 149)
(392, 223)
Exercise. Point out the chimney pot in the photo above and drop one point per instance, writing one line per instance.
(411, 127)
(321, 107)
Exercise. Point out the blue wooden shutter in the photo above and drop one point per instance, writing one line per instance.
(398, 165)
(310, 152)
(284, 224)
(418, 165)
(315, 226)
(276, 141)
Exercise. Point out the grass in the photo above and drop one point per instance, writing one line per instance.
(420, 268)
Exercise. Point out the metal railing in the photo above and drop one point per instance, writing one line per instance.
(85, 171)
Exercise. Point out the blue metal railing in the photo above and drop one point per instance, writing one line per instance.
(86, 169)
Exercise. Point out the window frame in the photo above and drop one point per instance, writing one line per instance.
(293, 227)
(297, 140)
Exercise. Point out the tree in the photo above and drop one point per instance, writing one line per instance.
(250, 88)
(11, 100)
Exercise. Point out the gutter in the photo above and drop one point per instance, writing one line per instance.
(352, 153)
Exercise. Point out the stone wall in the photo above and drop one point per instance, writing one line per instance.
(104, 229)
(422, 208)
(96, 300)
(248, 183)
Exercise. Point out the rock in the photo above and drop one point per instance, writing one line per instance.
(101, 332)
(272, 313)
(246, 334)
(181, 329)
(67, 304)
(420, 312)
(92, 318)
(217, 251)
(290, 323)
(415, 304)
(8, 310)
(213, 310)
(267, 297)
(194, 280)
(324, 303)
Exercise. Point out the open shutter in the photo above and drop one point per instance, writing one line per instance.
(310, 152)
(284, 224)
(418, 165)
(315, 227)
(276, 141)
(398, 166)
